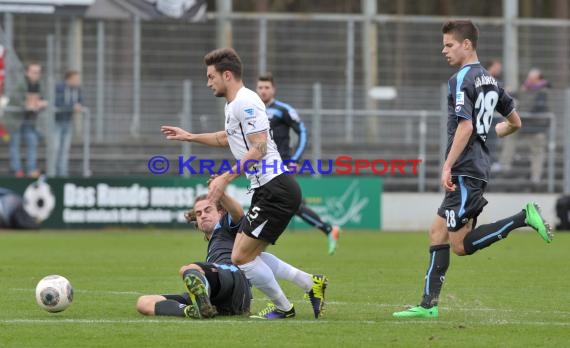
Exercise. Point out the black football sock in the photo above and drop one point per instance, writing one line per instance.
(312, 218)
(435, 275)
(169, 308)
(485, 235)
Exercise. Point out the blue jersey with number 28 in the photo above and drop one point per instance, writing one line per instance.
(474, 95)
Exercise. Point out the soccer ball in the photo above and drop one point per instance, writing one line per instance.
(54, 293)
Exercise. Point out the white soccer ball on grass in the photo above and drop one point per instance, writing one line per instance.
(54, 293)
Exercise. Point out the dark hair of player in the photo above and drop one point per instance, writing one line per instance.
(267, 77)
(225, 59)
(461, 30)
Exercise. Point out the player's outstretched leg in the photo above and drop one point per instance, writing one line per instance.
(534, 219)
(196, 284)
(485, 235)
(271, 312)
(313, 219)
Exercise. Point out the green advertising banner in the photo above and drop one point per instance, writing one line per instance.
(351, 202)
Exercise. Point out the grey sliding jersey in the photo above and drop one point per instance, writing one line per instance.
(222, 241)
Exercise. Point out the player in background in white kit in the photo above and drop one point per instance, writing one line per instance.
(276, 196)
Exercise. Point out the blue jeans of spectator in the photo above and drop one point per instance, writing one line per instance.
(63, 135)
(28, 132)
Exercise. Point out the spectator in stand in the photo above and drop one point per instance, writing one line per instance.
(26, 103)
(533, 98)
(68, 101)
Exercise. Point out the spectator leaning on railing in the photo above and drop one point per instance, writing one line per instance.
(68, 101)
(533, 98)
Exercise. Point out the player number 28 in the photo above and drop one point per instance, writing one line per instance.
(486, 103)
(450, 218)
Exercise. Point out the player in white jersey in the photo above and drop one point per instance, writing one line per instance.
(276, 197)
(245, 116)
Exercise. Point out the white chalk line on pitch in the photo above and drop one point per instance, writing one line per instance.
(288, 322)
(340, 303)
(473, 323)
(463, 309)
(110, 292)
(180, 322)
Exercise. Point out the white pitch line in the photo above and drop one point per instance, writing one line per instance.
(340, 303)
(461, 309)
(158, 321)
(292, 321)
(472, 323)
(88, 291)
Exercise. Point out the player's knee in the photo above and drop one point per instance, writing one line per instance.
(190, 266)
(241, 258)
(237, 259)
(458, 249)
(145, 305)
(437, 236)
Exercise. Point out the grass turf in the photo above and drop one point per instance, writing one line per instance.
(510, 295)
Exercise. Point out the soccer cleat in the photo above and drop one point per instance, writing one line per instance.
(317, 294)
(333, 237)
(418, 312)
(192, 311)
(270, 312)
(535, 220)
(198, 293)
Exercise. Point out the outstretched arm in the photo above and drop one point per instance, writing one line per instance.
(217, 139)
(232, 206)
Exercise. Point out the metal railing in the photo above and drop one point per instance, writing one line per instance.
(419, 134)
(420, 117)
(86, 112)
(423, 129)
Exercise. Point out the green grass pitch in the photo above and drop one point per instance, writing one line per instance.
(514, 294)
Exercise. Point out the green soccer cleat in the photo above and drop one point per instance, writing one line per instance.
(418, 312)
(201, 305)
(333, 239)
(535, 220)
(192, 311)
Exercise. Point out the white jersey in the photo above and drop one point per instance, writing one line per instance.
(246, 115)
